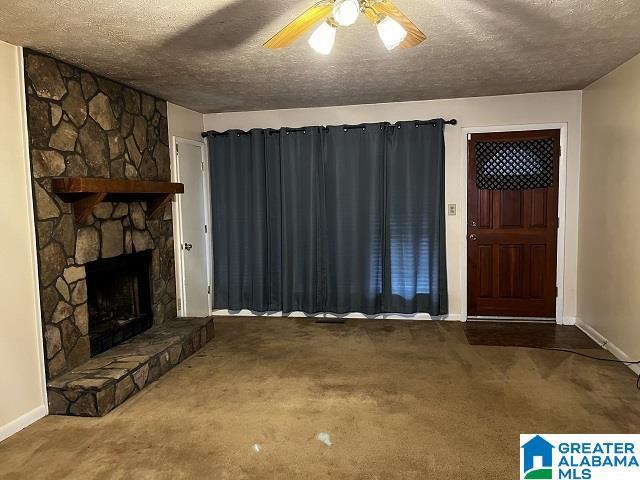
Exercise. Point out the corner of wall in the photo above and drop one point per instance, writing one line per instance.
(185, 123)
(32, 229)
(31, 405)
(607, 273)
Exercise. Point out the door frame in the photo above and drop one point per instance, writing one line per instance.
(177, 223)
(562, 193)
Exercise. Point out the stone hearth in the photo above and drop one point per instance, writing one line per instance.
(107, 380)
(82, 124)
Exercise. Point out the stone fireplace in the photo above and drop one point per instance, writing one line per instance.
(84, 125)
(119, 299)
(107, 278)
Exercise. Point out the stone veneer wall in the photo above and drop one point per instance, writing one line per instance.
(81, 124)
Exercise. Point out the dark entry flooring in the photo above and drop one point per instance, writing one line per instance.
(522, 334)
(398, 399)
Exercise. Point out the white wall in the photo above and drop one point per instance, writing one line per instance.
(22, 397)
(609, 258)
(508, 110)
(184, 123)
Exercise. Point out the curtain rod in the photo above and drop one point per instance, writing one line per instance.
(453, 121)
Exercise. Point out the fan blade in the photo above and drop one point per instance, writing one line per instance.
(414, 34)
(301, 24)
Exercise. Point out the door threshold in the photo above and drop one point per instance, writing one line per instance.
(512, 319)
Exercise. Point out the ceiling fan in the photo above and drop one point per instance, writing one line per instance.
(394, 28)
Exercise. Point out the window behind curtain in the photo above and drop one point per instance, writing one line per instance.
(415, 236)
(354, 219)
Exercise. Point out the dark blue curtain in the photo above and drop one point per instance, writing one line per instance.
(337, 219)
(354, 218)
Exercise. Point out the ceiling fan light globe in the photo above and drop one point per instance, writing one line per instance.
(323, 38)
(391, 32)
(346, 12)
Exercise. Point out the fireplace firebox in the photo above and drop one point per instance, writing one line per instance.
(119, 299)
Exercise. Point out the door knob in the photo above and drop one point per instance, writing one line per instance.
(188, 246)
(473, 237)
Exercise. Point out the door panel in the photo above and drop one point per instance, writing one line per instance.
(510, 205)
(193, 216)
(485, 263)
(511, 271)
(512, 240)
(485, 209)
(538, 208)
(537, 264)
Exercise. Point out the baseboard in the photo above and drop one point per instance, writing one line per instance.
(22, 422)
(452, 317)
(607, 345)
(568, 320)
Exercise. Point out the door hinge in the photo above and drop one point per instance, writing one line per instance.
(179, 304)
(209, 289)
(176, 148)
(202, 166)
(556, 292)
(205, 229)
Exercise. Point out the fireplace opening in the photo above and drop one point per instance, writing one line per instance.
(119, 299)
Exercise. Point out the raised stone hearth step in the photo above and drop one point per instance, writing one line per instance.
(107, 380)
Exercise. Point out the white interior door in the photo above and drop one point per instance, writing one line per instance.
(192, 220)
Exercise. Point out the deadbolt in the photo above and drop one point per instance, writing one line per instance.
(188, 246)
(474, 223)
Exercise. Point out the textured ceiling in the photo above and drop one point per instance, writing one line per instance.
(207, 54)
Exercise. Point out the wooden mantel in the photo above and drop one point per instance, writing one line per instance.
(85, 193)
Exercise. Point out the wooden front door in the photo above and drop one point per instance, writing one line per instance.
(512, 232)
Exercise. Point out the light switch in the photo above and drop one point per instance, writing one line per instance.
(452, 208)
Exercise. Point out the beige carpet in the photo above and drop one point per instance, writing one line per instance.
(399, 400)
